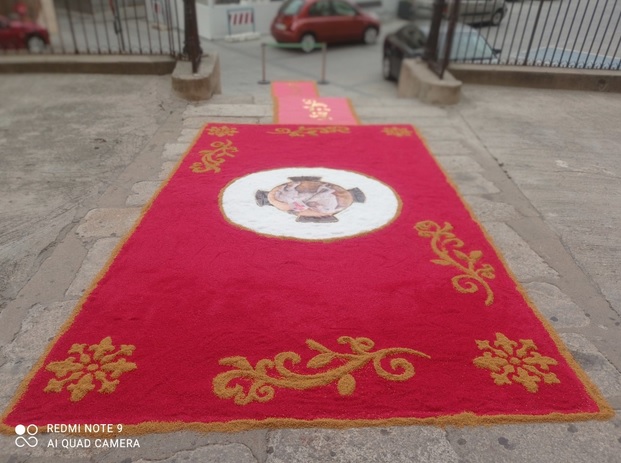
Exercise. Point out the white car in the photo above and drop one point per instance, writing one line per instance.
(470, 11)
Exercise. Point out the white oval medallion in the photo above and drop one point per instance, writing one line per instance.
(309, 203)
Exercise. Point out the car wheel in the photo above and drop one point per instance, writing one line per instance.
(370, 35)
(497, 18)
(308, 42)
(386, 71)
(36, 44)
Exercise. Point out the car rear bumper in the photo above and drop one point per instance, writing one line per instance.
(283, 35)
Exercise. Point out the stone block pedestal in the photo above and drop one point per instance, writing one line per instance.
(200, 86)
(416, 80)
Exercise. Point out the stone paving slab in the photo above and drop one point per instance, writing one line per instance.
(570, 442)
(365, 445)
(229, 110)
(556, 306)
(95, 260)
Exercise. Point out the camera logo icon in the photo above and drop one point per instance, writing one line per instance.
(26, 435)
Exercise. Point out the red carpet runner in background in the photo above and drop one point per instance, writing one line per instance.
(305, 276)
(300, 103)
(303, 88)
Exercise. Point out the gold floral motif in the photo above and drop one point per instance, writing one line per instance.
(310, 131)
(221, 131)
(245, 383)
(397, 132)
(211, 159)
(446, 246)
(78, 372)
(508, 363)
(317, 109)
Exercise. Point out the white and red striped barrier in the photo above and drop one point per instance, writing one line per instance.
(241, 20)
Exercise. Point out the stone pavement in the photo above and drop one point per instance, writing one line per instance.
(80, 155)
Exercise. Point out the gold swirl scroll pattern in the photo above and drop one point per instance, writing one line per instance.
(101, 362)
(310, 131)
(212, 159)
(245, 383)
(447, 247)
(511, 362)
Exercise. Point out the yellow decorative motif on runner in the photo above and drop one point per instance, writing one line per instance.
(246, 384)
(446, 246)
(317, 109)
(397, 132)
(310, 131)
(102, 364)
(221, 131)
(509, 364)
(212, 159)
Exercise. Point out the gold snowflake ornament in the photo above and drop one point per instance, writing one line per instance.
(511, 362)
(100, 362)
(222, 131)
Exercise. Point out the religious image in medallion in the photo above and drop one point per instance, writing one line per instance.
(310, 199)
(309, 203)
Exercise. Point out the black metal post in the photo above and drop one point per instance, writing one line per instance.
(192, 47)
(448, 42)
(532, 37)
(263, 65)
(431, 49)
(324, 49)
(438, 63)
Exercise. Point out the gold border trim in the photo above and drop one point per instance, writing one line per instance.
(353, 111)
(462, 419)
(275, 109)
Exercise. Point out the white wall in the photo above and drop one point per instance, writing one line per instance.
(213, 19)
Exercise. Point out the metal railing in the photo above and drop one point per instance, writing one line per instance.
(192, 46)
(126, 27)
(322, 80)
(550, 33)
(584, 34)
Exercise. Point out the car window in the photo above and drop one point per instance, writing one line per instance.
(343, 9)
(291, 7)
(320, 8)
(470, 45)
(412, 36)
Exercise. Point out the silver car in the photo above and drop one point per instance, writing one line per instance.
(470, 11)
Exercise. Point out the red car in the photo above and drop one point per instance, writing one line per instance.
(309, 22)
(19, 35)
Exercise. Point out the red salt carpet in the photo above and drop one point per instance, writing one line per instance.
(300, 103)
(306, 89)
(305, 276)
(314, 111)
